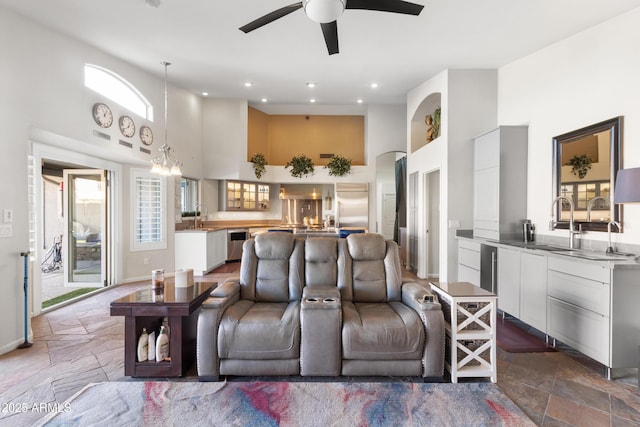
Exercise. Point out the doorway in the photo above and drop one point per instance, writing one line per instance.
(49, 221)
(75, 217)
(432, 223)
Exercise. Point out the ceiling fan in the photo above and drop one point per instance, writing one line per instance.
(326, 13)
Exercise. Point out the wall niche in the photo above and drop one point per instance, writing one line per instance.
(425, 125)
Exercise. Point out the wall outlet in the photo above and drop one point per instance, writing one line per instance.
(145, 261)
(8, 215)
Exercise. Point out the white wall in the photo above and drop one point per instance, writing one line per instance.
(468, 102)
(42, 96)
(587, 78)
(224, 139)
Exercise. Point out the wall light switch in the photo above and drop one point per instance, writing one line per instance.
(8, 215)
(455, 223)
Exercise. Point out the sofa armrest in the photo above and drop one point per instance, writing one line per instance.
(426, 304)
(208, 323)
(419, 297)
(227, 288)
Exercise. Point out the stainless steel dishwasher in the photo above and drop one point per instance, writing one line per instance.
(235, 239)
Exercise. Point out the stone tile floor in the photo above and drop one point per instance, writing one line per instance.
(81, 343)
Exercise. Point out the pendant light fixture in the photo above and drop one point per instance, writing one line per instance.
(165, 164)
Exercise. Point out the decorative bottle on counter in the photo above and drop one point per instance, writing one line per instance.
(143, 346)
(162, 345)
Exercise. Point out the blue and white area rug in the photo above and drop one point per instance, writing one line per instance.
(288, 404)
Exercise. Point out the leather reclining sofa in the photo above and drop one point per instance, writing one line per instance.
(320, 307)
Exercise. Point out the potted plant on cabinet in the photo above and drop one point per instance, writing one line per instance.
(339, 165)
(300, 166)
(259, 163)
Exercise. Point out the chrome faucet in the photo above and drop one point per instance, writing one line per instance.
(617, 224)
(553, 224)
(590, 205)
(199, 206)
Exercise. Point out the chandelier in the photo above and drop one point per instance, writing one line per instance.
(165, 164)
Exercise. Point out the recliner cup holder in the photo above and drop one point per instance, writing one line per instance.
(320, 299)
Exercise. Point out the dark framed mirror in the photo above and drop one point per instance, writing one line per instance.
(585, 163)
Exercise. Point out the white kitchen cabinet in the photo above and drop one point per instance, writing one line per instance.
(533, 290)
(500, 183)
(469, 261)
(593, 307)
(200, 250)
(509, 281)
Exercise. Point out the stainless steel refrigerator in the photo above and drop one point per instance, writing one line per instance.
(352, 205)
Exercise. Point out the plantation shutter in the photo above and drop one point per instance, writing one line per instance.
(149, 218)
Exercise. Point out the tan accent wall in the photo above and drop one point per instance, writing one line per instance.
(257, 133)
(291, 135)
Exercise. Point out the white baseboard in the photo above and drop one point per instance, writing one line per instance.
(13, 345)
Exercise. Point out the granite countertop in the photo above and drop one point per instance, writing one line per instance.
(201, 230)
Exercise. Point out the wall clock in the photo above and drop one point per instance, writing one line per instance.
(146, 135)
(102, 115)
(127, 126)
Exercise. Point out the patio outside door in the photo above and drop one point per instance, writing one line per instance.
(85, 241)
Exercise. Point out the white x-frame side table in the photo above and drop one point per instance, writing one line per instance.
(470, 323)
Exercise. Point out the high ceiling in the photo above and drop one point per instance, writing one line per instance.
(209, 53)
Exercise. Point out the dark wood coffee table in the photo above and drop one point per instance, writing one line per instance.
(147, 308)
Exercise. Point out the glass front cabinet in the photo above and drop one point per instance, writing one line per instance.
(244, 196)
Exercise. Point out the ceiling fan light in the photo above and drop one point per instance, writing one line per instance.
(323, 11)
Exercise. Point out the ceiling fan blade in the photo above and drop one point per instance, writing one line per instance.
(396, 6)
(270, 17)
(330, 31)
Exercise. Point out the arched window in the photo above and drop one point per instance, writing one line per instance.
(117, 89)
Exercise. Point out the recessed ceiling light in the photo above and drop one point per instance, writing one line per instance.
(264, 99)
(312, 100)
(153, 3)
(374, 85)
(205, 93)
(248, 84)
(359, 101)
(311, 84)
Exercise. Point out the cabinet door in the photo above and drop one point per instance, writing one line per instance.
(469, 262)
(533, 290)
(486, 185)
(584, 330)
(211, 255)
(486, 201)
(486, 150)
(509, 281)
(468, 274)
